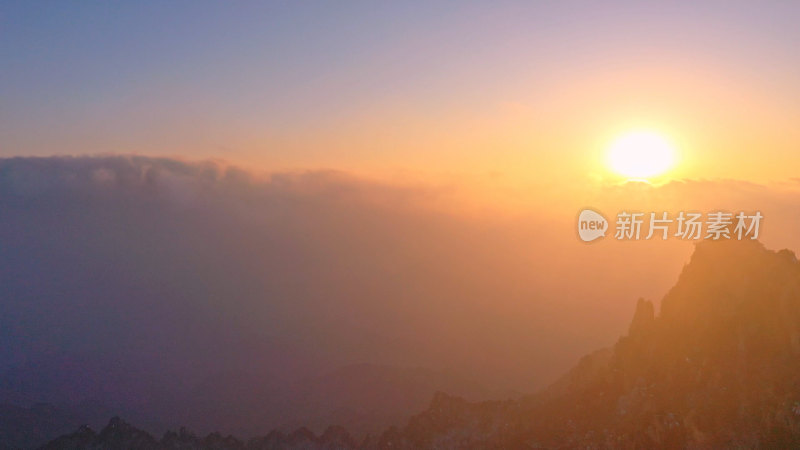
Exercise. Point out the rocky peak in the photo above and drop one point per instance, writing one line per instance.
(723, 277)
(120, 434)
(733, 297)
(83, 437)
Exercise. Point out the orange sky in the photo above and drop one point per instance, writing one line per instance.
(522, 95)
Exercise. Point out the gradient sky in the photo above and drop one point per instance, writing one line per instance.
(533, 92)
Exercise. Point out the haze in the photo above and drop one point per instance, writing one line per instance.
(205, 206)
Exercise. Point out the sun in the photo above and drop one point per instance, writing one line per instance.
(641, 155)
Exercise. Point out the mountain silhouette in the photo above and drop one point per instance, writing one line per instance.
(717, 367)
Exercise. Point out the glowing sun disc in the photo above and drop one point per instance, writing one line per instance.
(641, 154)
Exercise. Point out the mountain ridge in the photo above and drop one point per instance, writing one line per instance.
(719, 366)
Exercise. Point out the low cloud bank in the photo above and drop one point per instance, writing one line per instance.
(143, 282)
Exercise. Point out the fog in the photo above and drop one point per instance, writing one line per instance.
(141, 284)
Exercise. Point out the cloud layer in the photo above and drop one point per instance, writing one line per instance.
(137, 281)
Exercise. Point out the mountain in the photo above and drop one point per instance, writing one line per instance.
(718, 367)
(119, 435)
(364, 398)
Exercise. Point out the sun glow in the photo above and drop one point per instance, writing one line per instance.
(641, 155)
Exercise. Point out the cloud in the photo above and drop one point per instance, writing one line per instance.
(121, 273)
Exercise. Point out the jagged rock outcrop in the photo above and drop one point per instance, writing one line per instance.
(117, 435)
(84, 437)
(643, 318)
(120, 435)
(717, 368)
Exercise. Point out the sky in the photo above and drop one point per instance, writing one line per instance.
(258, 191)
(524, 92)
